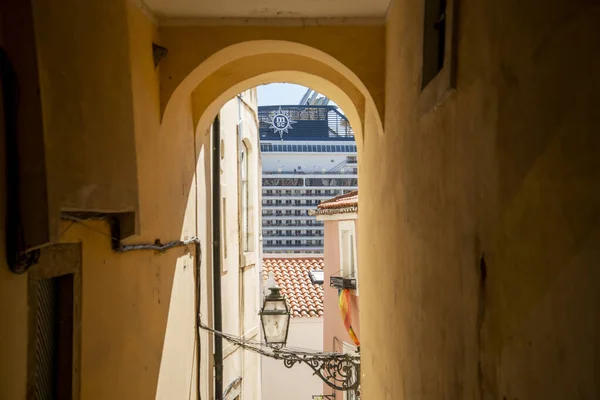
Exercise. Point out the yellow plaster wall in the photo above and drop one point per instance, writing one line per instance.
(358, 47)
(508, 167)
(86, 96)
(166, 167)
(138, 309)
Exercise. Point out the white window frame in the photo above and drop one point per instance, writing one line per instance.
(246, 201)
(444, 83)
(348, 254)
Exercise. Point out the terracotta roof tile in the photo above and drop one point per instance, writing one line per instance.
(344, 203)
(291, 274)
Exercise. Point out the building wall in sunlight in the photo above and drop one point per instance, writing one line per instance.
(298, 382)
(335, 335)
(240, 252)
(138, 309)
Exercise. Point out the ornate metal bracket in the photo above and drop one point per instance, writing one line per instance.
(339, 371)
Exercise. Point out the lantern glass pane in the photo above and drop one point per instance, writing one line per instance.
(275, 327)
(275, 305)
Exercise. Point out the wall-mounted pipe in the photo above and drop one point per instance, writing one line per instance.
(216, 256)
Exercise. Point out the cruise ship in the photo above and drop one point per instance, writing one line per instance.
(308, 155)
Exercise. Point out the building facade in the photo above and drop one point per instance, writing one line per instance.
(305, 299)
(341, 325)
(308, 155)
(241, 298)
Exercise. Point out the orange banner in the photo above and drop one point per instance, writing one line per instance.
(344, 302)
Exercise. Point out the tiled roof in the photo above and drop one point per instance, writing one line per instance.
(344, 203)
(291, 274)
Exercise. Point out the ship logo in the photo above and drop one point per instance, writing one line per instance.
(281, 122)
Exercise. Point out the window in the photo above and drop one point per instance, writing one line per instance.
(224, 228)
(54, 338)
(54, 307)
(245, 200)
(348, 250)
(438, 54)
(316, 276)
(434, 35)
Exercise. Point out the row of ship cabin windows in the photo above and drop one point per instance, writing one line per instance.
(294, 242)
(292, 202)
(308, 148)
(292, 233)
(303, 222)
(304, 192)
(352, 182)
(267, 213)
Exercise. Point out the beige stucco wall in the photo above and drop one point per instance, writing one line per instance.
(299, 382)
(240, 274)
(85, 121)
(334, 331)
(138, 325)
(127, 350)
(334, 324)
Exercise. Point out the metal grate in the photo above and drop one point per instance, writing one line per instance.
(46, 346)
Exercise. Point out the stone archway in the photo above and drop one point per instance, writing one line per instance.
(204, 91)
(247, 64)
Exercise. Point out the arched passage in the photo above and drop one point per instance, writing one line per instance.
(243, 65)
(230, 71)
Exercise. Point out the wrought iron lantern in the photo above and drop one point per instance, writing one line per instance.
(275, 318)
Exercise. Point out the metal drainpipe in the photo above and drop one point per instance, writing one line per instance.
(216, 236)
